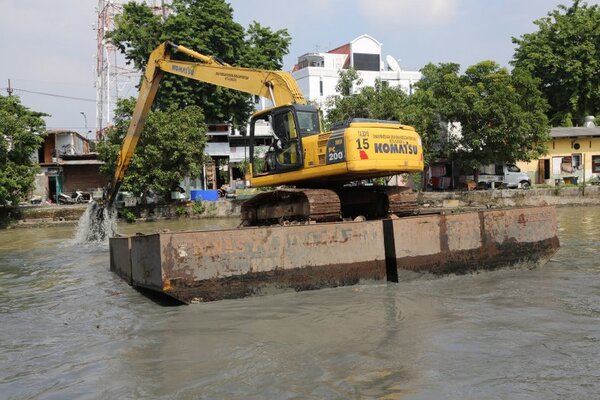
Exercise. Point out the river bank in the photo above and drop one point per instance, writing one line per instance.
(34, 216)
(448, 202)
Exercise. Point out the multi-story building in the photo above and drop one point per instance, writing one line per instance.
(317, 74)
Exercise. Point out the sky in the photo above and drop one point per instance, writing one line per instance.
(49, 46)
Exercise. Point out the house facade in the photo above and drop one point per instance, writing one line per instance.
(573, 156)
(66, 165)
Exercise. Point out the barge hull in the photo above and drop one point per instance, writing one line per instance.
(214, 265)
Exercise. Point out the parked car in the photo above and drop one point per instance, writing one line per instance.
(503, 175)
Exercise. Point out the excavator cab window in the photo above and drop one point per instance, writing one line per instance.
(308, 122)
(284, 153)
(286, 147)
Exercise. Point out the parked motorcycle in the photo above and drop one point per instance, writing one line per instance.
(77, 197)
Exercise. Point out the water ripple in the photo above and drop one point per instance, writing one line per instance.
(70, 329)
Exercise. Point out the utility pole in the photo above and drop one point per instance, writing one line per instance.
(85, 123)
(9, 89)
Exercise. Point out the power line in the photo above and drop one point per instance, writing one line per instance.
(51, 94)
(54, 82)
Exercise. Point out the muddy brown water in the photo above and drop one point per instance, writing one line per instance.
(69, 329)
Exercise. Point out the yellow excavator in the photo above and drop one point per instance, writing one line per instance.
(318, 170)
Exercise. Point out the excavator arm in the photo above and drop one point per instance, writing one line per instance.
(279, 87)
(322, 162)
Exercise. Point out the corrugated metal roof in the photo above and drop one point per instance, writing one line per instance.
(574, 132)
(81, 162)
(217, 149)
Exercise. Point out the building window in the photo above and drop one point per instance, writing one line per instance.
(576, 161)
(366, 62)
(596, 164)
(567, 165)
(321, 87)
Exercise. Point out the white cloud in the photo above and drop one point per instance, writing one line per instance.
(412, 12)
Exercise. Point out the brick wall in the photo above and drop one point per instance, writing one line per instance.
(82, 177)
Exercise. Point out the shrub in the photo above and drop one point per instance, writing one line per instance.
(198, 207)
(128, 215)
(181, 211)
(594, 180)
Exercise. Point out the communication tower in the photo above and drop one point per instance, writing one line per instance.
(114, 79)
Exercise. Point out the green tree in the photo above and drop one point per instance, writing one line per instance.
(501, 115)
(377, 102)
(504, 119)
(264, 48)
(436, 100)
(343, 108)
(347, 80)
(564, 54)
(21, 135)
(206, 26)
(386, 102)
(171, 147)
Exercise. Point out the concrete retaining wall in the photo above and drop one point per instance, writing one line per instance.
(215, 265)
(557, 196)
(477, 199)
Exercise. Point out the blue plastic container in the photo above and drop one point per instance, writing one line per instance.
(204, 195)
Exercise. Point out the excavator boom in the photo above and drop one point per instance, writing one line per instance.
(279, 87)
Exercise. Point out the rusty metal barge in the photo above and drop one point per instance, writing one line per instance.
(224, 264)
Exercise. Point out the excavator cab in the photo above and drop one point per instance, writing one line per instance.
(289, 124)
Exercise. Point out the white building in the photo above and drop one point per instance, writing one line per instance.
(317, 74)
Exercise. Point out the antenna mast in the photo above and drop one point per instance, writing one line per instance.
(113, 78)
(106, 72)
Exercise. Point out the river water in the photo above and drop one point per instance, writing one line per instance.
(69, 329)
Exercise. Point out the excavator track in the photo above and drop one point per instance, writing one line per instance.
(377, 202)
(402, 201)
(284, 206)
(292, 206)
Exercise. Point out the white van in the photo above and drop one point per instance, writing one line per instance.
(503, 175)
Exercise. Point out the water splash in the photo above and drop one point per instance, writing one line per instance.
(96, 224)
